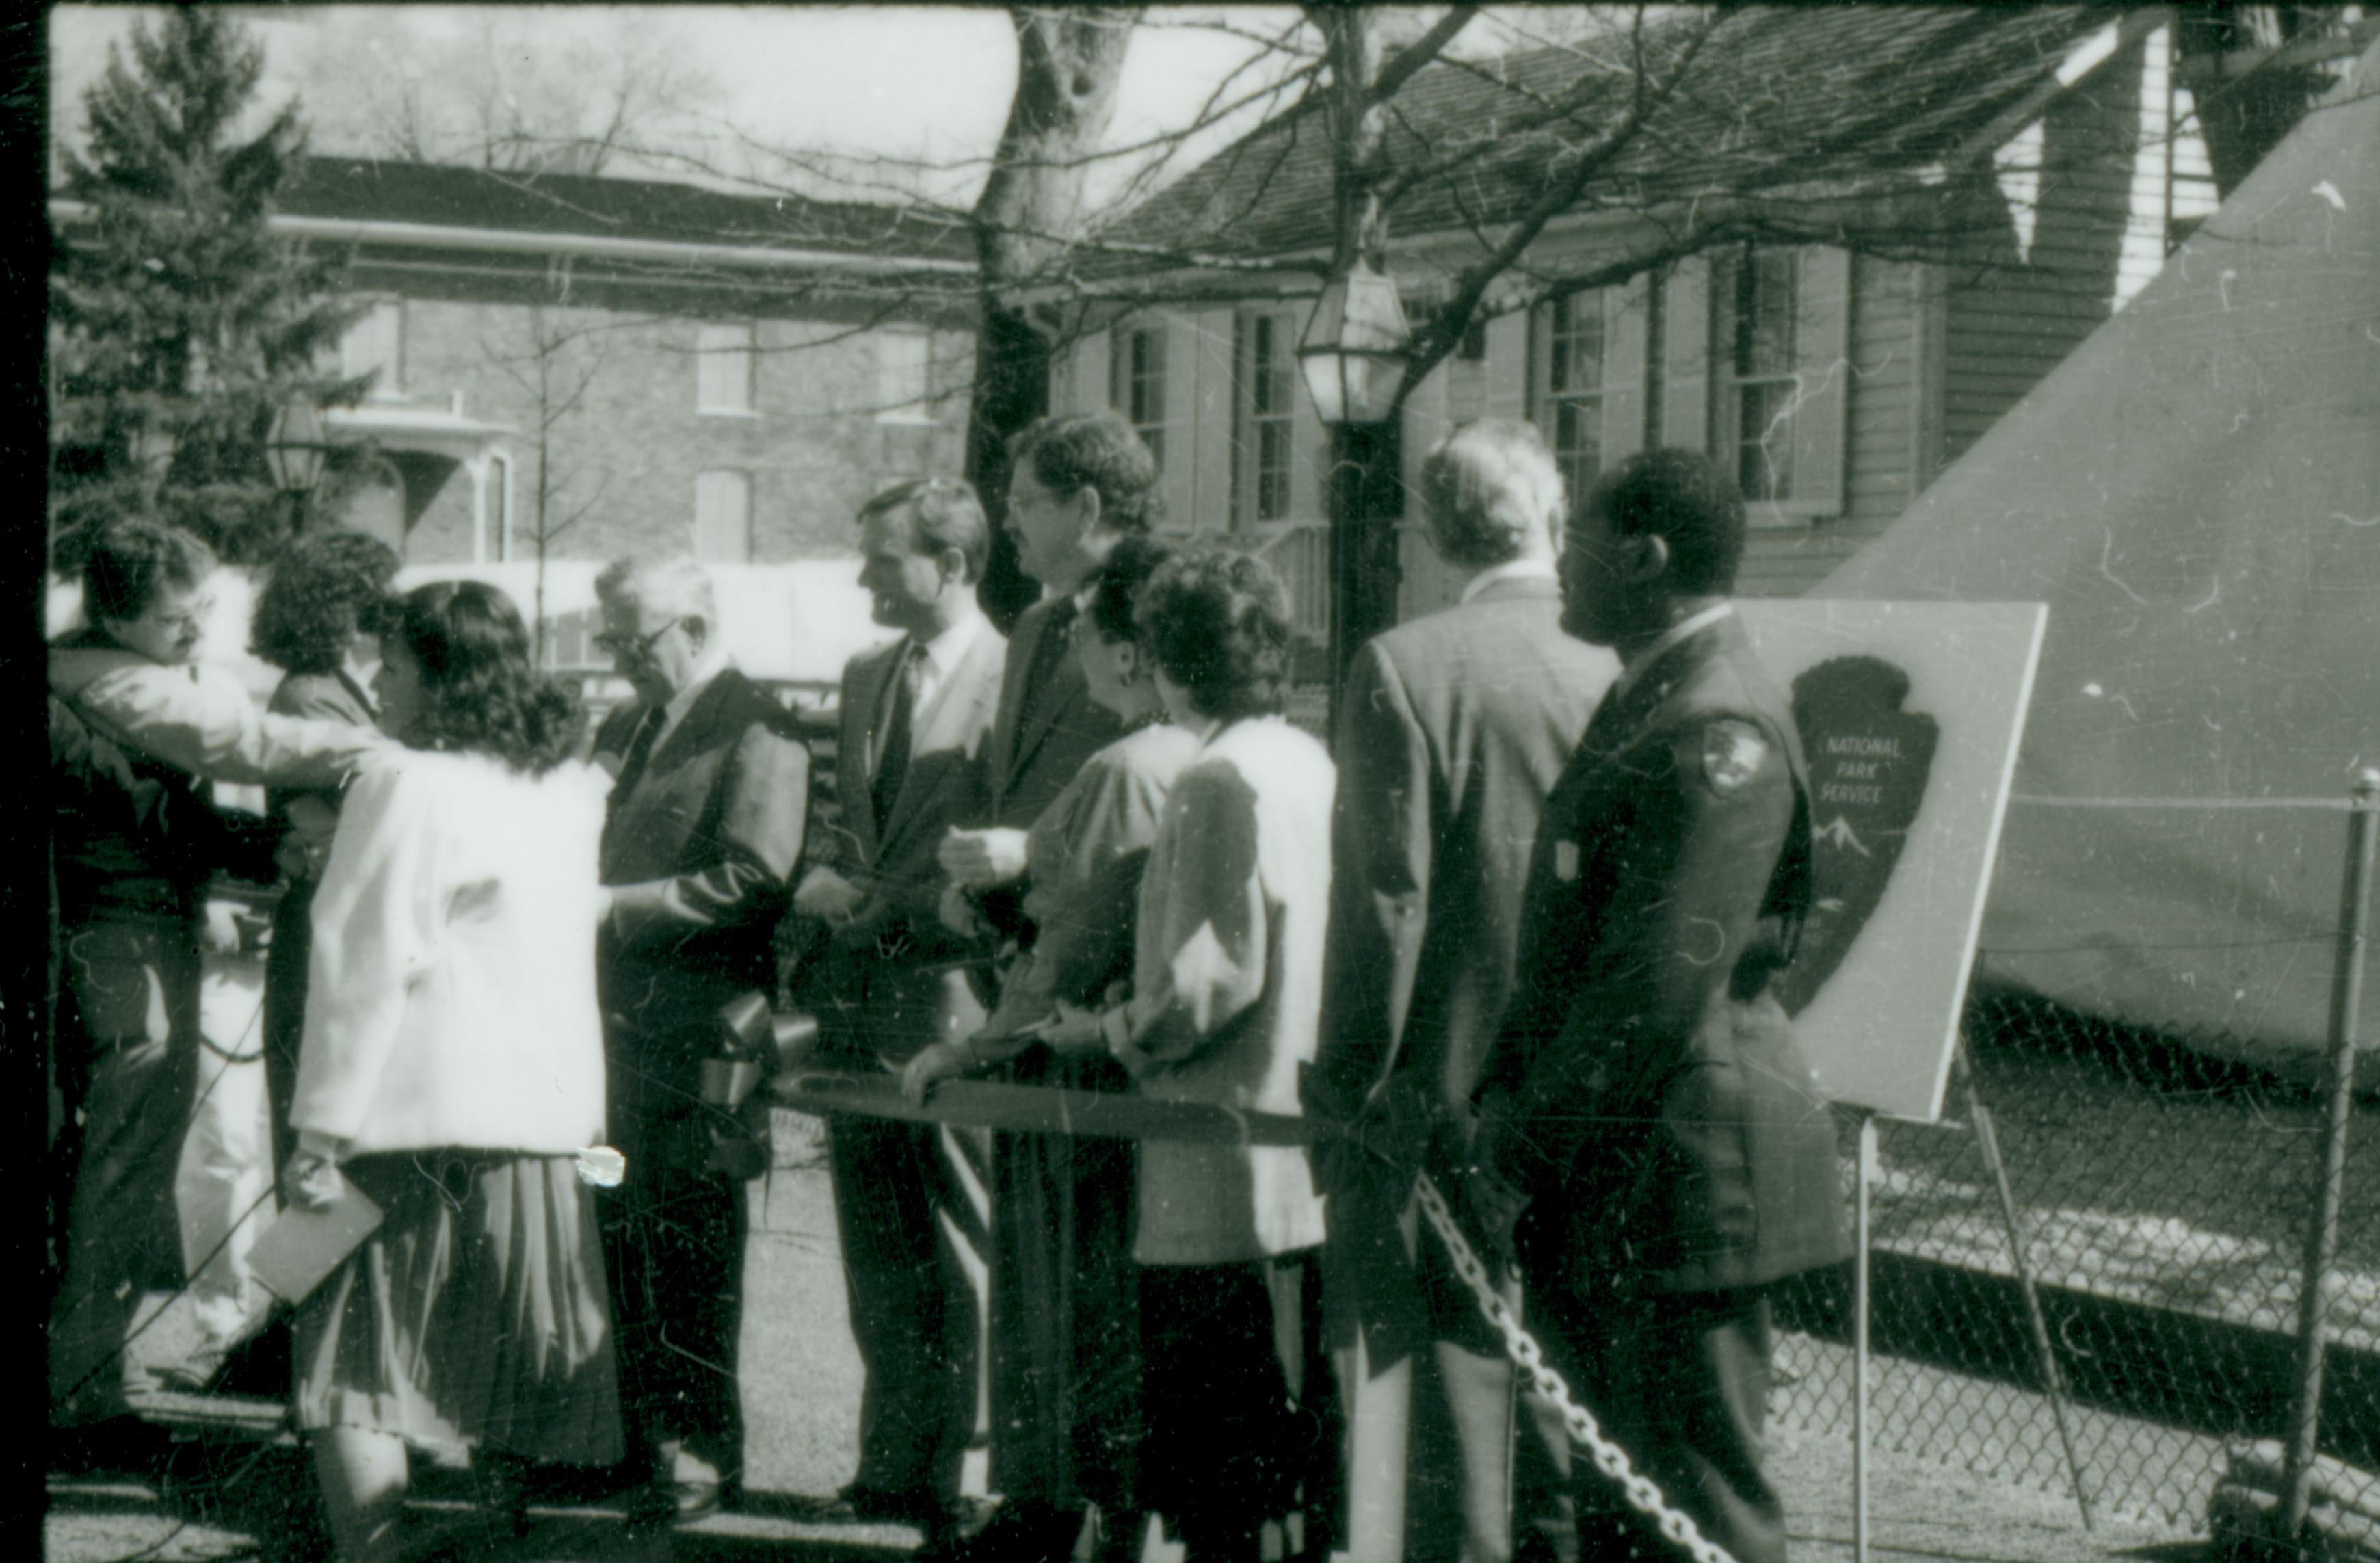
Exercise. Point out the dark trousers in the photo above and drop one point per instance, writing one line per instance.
(127, 1067)
(1681, 1381)
(911, 1207)
(1236, 1396)
(285, 961)
(673, 1241)
(1065, 1308)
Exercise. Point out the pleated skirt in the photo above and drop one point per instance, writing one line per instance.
(477, 1315)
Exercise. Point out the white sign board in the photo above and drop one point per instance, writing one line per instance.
(1910, 715)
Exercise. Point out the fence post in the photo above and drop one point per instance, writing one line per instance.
(2322, 1233)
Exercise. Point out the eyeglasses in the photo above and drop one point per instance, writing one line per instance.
(638, 647)
(190, 619)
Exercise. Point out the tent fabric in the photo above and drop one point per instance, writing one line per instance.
(2195, 492)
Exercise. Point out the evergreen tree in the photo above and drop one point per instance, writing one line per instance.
(178, 323)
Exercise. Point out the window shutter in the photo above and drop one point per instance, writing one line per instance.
(1208, 430)
(1427, 418)
(1085, 386)
(1180, 336)
(1686, 356)
(1625, 318)
(1309, 441)
(1508, 365)
(1823, 360)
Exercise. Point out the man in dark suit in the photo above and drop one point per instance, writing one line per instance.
(915, 716)
(1451, 732)
(705, 825)
(1078, 484)
(1651, 1146)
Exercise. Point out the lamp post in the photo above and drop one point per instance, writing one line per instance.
(298, 448)
(1352, 357)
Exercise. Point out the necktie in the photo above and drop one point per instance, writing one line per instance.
(893, 745)
(1057, 639)
(640, 748)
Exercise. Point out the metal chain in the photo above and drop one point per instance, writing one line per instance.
(1609, 1457)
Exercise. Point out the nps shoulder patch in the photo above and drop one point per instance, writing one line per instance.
(1733, 752)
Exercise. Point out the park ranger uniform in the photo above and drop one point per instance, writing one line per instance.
(1648, 1098)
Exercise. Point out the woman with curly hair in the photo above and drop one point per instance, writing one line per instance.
(1064, 1296)
(1226, 995)
(317, 619)
(452, 1062)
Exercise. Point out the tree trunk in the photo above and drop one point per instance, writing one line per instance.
(1030, 213)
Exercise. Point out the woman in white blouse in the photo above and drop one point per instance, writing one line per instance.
(1227, 981)
(452, 1063)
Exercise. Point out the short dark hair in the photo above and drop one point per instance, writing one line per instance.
(1687, 500)
(1099, 451)
(1115, 588)
(130, 562)
(323, 590)
(480, 693)
(1217, 624)
(943, 513)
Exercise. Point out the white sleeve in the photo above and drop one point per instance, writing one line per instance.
(206, 724)
(376, 928)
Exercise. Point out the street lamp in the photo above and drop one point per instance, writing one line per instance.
(1353, 352)
(298, 448)
(299, 445)
(1352, 357)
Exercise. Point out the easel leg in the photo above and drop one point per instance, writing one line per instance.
(1867, 1179)
(2052, 1384)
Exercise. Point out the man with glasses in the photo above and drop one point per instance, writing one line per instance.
(707, 820)
(134, 842)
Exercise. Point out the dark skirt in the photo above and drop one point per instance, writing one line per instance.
(476, 1316)
(1243, 1430)
(1065, 1306)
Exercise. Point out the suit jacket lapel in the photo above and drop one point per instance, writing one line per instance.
(1065, 687)
(855, 756)
(963, 706)
(696, 722)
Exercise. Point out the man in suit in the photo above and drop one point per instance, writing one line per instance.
(1651, 1147)
(1451, 732)
(706, 822)
(1078, 484)
(915, 716)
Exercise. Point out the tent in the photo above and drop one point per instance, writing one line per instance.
(2195, 492)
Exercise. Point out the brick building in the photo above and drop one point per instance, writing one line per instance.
(638, 363)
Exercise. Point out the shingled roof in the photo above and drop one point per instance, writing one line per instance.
(363, 190)
(1778, 98)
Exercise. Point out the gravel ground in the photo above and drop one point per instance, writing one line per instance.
(1941, 1504)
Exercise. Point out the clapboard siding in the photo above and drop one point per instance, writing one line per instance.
(2009, 321)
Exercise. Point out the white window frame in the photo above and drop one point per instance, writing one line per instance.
(726, 371)
(1550, 392)
(738, 482)
(381, 322)
(1264, 419)
(1136, 381)
(904, 381)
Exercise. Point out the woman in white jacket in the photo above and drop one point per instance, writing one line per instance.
(1226, 995)
(452, 1063)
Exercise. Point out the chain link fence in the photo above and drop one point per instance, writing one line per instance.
(2163, 1198)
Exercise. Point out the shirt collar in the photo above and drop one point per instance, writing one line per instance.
(709, 666)
(946, 650)
(1691, 625)
(1511, 569)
